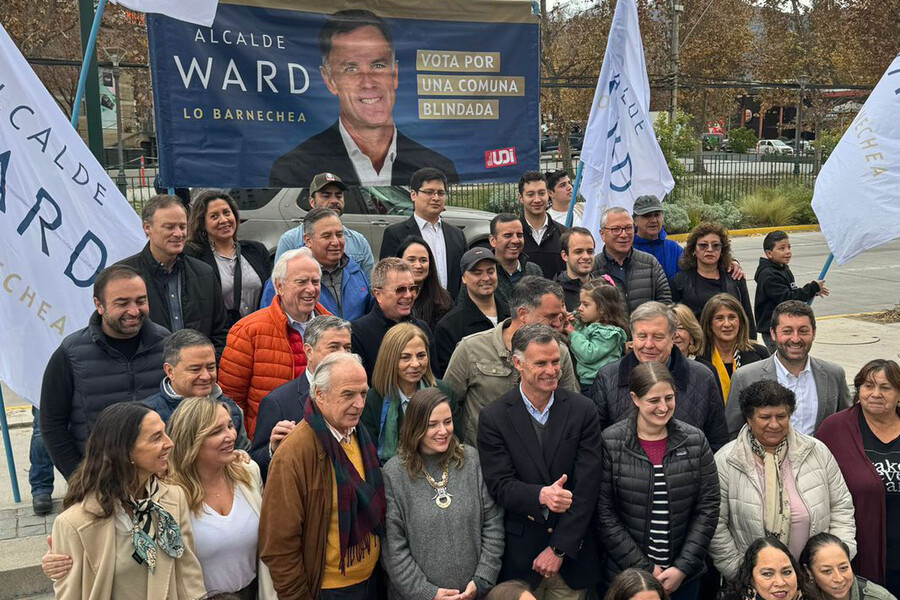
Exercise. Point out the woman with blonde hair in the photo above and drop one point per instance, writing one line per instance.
(689, 336)
(444, 534)
(726, 339)
(224, 497)
(402, 368)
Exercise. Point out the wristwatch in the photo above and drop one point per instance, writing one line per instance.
(559, 553)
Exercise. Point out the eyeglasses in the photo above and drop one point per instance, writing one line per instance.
(433, 193)
(629, 229)
(715, 247)
(403, 290)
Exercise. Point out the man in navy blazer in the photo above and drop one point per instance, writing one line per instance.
(281, 409)
(541, 452)
(364, 144)
(428, 191)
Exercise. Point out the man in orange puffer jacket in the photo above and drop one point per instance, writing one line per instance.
(265, 348)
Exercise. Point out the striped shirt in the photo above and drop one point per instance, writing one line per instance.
(658, 543)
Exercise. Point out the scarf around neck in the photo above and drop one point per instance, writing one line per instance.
(167, 536)
(776, 505)
(719, 365)
(361, 502)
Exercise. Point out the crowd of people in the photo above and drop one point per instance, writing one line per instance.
(540, 419)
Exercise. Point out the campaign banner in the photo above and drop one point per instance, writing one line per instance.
(277, 91)
(62, 220)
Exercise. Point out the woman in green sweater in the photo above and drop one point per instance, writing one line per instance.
(401, 369)
(444, 533)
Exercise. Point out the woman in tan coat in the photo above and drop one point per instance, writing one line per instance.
(128, 534)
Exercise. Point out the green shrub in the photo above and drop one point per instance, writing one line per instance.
(697, 211)
(788, 203)
(676, 218)
(741, 139)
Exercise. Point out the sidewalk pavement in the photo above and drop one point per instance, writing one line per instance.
(850, 341)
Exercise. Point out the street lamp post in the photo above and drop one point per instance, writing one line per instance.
(802, 80)
(115, 57)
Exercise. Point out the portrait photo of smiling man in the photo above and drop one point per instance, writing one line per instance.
(359, 66)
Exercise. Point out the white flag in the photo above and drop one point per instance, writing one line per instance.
(857, 194)
(201, 12)
(61, 221)
(622, 159)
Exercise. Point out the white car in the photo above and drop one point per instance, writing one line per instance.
(773, 147)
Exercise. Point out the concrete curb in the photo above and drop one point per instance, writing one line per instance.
(682, 237)
(21, 568)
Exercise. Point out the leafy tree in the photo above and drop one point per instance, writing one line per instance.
(676, 138)
(741, 139)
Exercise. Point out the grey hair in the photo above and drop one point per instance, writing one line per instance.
(159, 202)
(652, 310)
(529, 291)
(613, 210)
(280, 270)
(314, 216)
(178, 341)
(317, 327)
(321, 379)
(385, 266)
(533, 333)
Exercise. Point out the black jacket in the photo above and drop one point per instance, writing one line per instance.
(464, 319)
(698, 401)
(505, 283)
(284, 403)
(84, 376)
(644, 278)
(515, 468)
(685, 290)
(774, 285)
(454, 239)
(546, 254)
(325, 151)
(571, 289)
(253, 252)
(201, 295)
(368, 331)
(626, 494)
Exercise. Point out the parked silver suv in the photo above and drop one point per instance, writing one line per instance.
(266, 213)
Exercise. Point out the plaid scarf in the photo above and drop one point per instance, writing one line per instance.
(361, 502)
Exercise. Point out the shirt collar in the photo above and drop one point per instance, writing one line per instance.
(340, 437)
(782, 370)
(543, 226)
(354, 151)
(422, 223)
(540, 415)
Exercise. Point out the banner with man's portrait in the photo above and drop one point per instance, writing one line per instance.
(277, 91)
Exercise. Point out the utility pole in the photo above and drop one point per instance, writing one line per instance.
(677, 9)
(92, 85)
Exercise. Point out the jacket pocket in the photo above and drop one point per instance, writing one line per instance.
(493, 368)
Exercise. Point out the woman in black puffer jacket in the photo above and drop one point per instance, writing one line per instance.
(659, 490)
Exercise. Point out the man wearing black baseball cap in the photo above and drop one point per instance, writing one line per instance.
(478, 309)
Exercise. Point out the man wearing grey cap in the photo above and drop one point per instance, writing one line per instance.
(327, 191)
(650, 237)
(479, 308)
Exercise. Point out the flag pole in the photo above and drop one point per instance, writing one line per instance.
(86, 63)
(10, 461)
(570, 212)
(825, 268)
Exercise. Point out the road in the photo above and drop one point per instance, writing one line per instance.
(870, 282)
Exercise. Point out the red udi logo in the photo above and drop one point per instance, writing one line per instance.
(501, 157)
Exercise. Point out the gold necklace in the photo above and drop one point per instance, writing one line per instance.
(441, 497)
